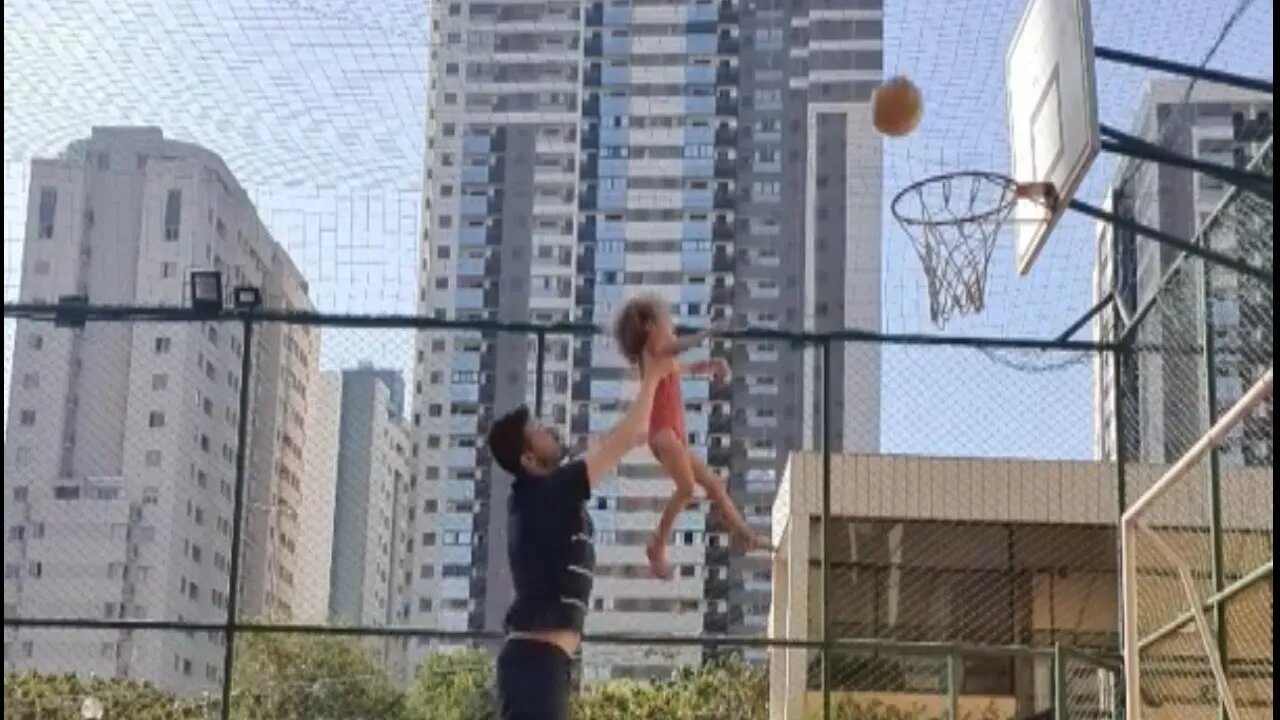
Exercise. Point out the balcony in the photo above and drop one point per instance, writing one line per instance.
(724, 200)
(721, 295)
(587, 198)
(593, 76)
(721, 230)
(591, 106)
(719, 423)
(727, 45)
(726, 136)
(594, 47)
(727, 106)
(595, 15)
(591, 138)
(590, 168)
(726, 168)
(726, 75)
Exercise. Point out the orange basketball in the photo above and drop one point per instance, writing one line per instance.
(896, 107)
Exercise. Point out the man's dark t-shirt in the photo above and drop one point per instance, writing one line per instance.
(550, 550)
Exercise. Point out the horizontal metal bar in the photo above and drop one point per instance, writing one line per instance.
(1098, 307)
(1251, 399)
(1173, 241)
(129, 313)
(1121, 143)
(1177, 68)
(847, 644)
(1259, 574)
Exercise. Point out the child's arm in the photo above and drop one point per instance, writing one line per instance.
(689, 342)
(715, 367)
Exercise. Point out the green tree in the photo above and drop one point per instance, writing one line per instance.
(455, 685)
(278, 677)
(725, 690)
(30, 696)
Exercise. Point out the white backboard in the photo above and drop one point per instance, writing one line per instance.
(1053, 112)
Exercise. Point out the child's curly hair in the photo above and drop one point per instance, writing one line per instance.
(631, 330)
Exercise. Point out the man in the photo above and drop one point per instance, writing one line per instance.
(550, 549)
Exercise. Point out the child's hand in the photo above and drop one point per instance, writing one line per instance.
(716, 368)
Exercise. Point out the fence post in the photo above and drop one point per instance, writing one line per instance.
(1059, 683)
(953, 687)
(1120, 358)
(827, 444)
(539, 368)
(237, 514)
(1214, 478)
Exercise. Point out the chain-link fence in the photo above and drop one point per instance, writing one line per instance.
(270, 512)
(1198, 538)
(356, 501)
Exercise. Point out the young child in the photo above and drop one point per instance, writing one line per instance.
(645, 323)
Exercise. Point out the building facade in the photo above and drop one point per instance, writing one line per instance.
(1165, 404)
(988, 556)
(580, 154)
(119, 464)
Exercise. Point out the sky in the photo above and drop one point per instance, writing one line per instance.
(318, 107)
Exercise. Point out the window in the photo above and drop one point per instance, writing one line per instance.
(30, 381)
(168, 269)
(162, 345)
(27, 418)
(155, 419)
(35, 341)
(48, 207)
(159, 381)
(173, 215)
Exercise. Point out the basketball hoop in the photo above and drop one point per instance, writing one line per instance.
(953, 221)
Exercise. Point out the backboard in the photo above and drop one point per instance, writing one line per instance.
(1052, 102)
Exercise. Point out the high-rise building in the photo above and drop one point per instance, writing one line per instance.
(363, 462)
(580, 154)
(119, 465)
(1164, 405)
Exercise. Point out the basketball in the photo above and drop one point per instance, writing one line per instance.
(896, 107)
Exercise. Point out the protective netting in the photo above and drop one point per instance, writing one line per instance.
(355, 158)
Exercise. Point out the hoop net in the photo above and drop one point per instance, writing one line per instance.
(953, 221)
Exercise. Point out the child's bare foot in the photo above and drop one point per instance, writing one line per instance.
(656, 551)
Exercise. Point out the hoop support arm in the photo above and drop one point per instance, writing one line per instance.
(1264, 274)
(1177, 68)
(1098, 307)
(1121, 143)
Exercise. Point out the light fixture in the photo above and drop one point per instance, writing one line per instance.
(246, 297)
(206, 291)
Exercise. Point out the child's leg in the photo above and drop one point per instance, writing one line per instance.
(719, 496)
(674, 457)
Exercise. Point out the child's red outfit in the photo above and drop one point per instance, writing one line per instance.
(668, 408)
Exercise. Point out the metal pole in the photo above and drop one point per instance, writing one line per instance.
(953, 687)
(1119, 142)
(1214, 477)
(1059, 682)
(540, 368)
(237, 514)
(1176, 68)
(827, 447)
(1175, 242)
(1120, 359)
